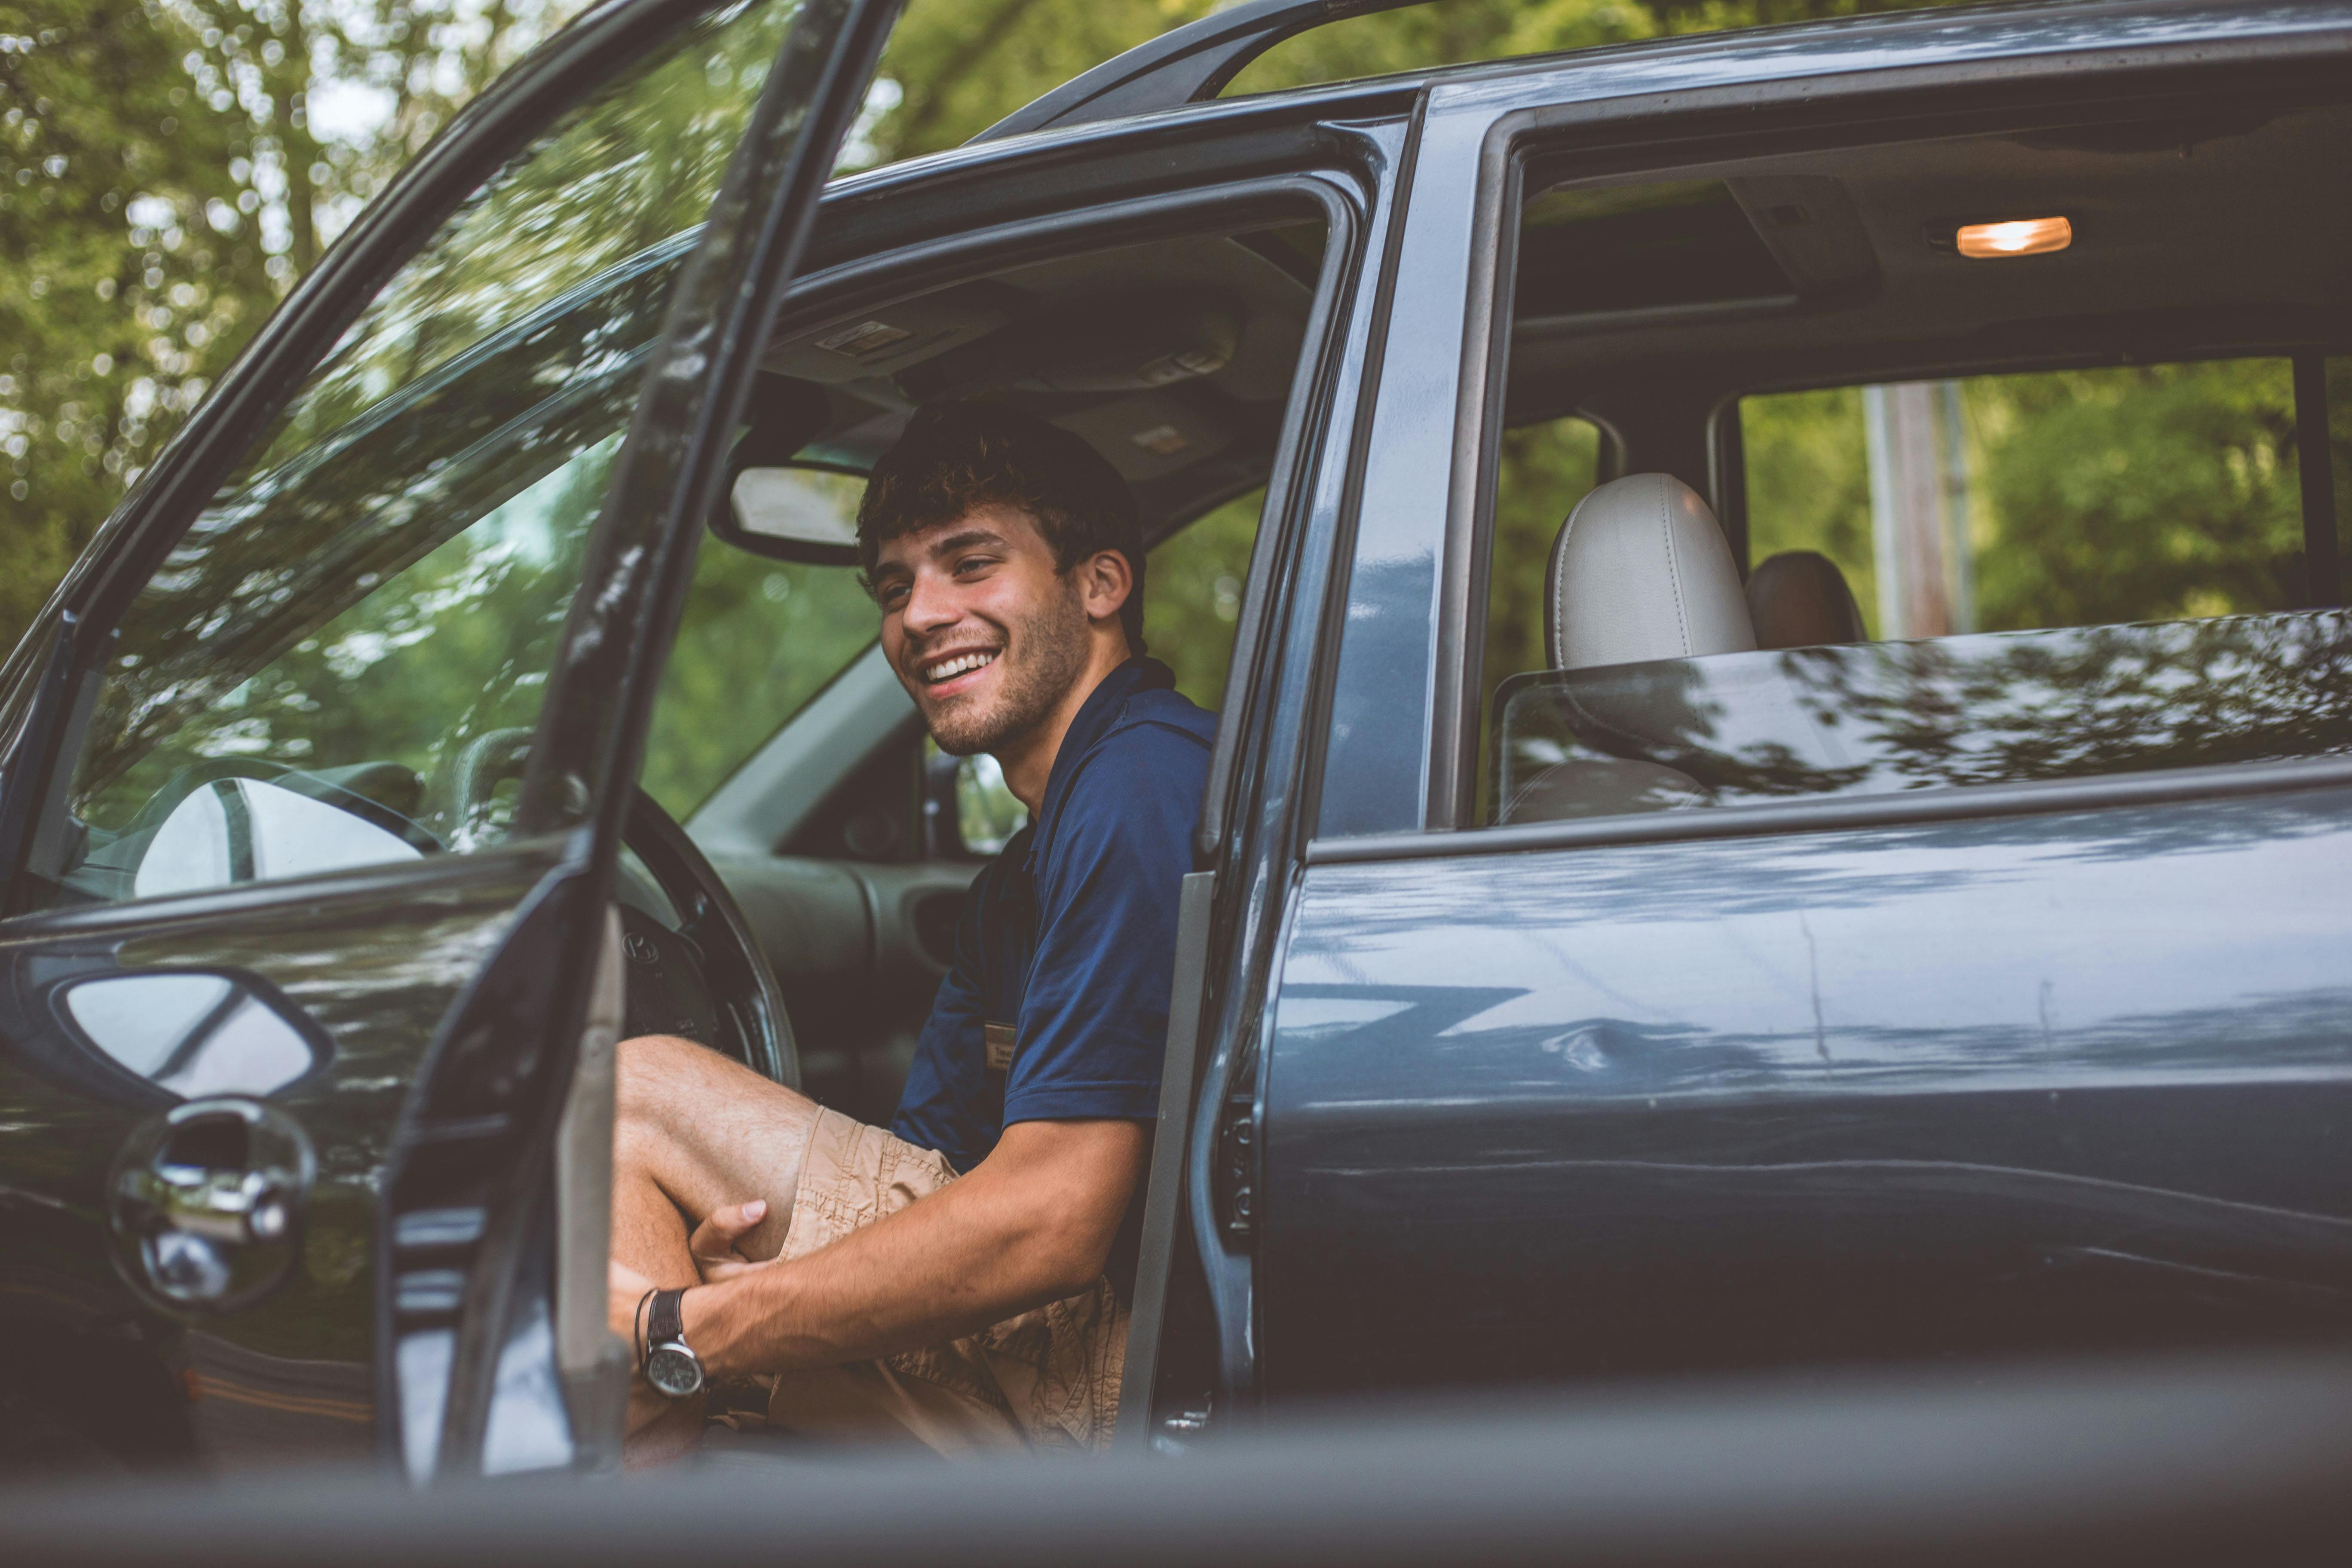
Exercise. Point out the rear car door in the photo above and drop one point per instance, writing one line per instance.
(315, 772)
(2052, 1062)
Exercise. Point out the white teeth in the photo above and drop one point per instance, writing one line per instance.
(948, 669)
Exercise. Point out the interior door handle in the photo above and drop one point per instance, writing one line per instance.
(207, 1201)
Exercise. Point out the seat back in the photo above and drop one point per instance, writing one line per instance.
(1640, 571)
(1799, 598)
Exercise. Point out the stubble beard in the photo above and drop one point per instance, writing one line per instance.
(1044, 654)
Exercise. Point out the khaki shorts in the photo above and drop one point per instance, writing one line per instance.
(1047, 1379)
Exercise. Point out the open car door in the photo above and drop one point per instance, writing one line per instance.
(316, 772)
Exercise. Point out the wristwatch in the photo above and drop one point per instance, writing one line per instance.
(671, 1365)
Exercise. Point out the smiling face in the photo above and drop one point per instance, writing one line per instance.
(986, 635)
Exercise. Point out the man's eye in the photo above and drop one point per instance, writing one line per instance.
(972, 564)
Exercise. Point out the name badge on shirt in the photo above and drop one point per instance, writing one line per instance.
(999, 1038)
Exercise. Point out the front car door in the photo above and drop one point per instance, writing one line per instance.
(316, 771)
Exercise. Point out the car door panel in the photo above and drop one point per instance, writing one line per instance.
(449, 993)
(2003, 1084)
(375, 960)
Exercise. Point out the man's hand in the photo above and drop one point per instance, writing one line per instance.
(716, 1255)
(1030, 1224)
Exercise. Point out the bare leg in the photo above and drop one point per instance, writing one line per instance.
(693, 1132)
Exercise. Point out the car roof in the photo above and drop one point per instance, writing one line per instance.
(1161, 77)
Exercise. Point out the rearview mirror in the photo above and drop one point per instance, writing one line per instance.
(794, 512)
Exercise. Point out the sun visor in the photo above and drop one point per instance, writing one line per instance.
(887, 338)
(1150, 435)
(1808, 224)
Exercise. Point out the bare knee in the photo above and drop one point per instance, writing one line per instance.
(650, 1071)
(669, 1090)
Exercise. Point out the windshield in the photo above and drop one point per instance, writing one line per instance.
(366, 613)
(759, 640)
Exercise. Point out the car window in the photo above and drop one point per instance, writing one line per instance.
(2092, 559)
(1541, 472)
(1192, 597)
(2056, 498)
(340, 661)
(758, 639)
(2062, 575)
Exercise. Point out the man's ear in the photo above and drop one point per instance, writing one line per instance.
(1105, 581)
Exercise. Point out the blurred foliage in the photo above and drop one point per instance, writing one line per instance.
(2140, 493)
(1192, 597)
(2174, 487)
(759, 640)
(1808, 483)
(390, 588)
(163, 180)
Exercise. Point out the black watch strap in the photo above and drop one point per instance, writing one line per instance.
(666, 1321)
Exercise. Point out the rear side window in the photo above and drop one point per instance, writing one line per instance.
(2061, 498)
(2053, 575)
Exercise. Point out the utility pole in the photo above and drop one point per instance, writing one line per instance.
(1918, 509)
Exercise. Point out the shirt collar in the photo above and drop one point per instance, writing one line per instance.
(1093, 722)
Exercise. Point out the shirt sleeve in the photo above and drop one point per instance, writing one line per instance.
(945, 1080)
(1094, 1023)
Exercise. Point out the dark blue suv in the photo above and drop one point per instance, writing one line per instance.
(1784, 793)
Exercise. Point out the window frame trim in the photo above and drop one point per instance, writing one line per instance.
(2168, 786)
(1657, 130)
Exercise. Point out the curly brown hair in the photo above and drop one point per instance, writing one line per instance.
(956, 456)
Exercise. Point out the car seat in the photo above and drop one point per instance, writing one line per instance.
(1799, 598)
(1640, 572)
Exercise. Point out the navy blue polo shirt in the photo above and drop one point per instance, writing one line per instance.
(1069, 934)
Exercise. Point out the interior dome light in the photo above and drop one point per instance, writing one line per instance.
(2017, 236)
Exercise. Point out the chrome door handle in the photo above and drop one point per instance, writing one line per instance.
(207, 1203)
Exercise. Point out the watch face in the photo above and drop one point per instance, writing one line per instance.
(673, 1372)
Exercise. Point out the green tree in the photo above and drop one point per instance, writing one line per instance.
(162, 183)
(2138, 494)
(129, 273)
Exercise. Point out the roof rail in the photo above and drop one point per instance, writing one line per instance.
(1188, 64)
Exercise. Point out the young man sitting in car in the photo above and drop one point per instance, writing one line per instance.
(957, 1277)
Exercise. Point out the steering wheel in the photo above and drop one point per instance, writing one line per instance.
(707, 979)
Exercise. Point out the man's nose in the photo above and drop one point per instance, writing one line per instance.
(930, 605)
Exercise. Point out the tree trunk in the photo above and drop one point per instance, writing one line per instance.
(298, 147)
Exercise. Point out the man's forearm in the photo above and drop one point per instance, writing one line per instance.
(1019, 1231)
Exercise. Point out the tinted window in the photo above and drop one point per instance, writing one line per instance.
(1543, 470)
(2068, 497)
(1881, 716)
(340, 661)
(759, 637)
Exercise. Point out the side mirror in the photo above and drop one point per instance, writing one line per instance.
(988, 814)
(968, 808)
(797, 512)
(194, 1033)
(233, 830)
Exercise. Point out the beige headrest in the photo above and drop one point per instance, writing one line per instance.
(1799, 599)
(1640, 571)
